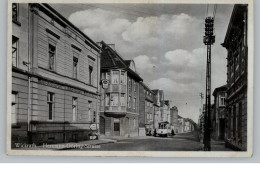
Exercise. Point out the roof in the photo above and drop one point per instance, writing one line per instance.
(146, 87)
(236, 14)
(218, 89)
(111, 59)
(155, 91)
(64, 20)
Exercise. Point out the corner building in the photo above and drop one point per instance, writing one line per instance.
(120, 99)
(237, 57)
(55, 80)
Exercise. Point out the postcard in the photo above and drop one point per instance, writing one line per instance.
(164, 78)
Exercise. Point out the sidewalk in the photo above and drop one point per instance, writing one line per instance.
(217, 146)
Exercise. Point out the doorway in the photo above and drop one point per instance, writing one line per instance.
(116, 128)
(102, 125)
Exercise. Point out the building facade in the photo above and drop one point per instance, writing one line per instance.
(174, 119)
(158, 107)
(146, 110)
(55, 83)
(219, 113)
(120, 99)
(237, 57)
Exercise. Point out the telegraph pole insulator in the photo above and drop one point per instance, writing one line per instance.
(208, 39)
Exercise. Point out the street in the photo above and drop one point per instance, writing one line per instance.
(180, 142)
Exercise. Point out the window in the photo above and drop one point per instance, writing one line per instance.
(130, 85)
(122, 77)
(134, 87)
(75, 67)
(222, 99)
(107, 100)
(122, 99)
(15, 42)
(108, 76)
(15, 11)
(94, 116)
(50, 102)
(14, 108)
(114, 99)
(74, 108)
(89, 110)
(129, 101)
(115, 77)
(134, 103)
(90, 69)
(52, 50)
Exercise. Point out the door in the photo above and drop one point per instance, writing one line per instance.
(222, 129)
(102, 126)
(116, 128)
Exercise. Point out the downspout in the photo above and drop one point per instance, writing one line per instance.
(99, 91)
(29, 77)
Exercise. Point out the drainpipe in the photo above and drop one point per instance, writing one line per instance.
(99, 91)
(29, 77)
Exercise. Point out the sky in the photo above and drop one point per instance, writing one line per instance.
(164, 40)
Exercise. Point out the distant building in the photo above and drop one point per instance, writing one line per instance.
(166, 111)
(220, 112)
(158, 106)
(55, 83)
(174, 119)
(120, 99)
(146, 110)
(237, 57)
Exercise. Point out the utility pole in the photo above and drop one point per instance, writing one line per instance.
(209, 39)
(201, 104)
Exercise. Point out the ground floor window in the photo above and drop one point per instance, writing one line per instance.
(74, 108)
(50, 101)
(14, 107)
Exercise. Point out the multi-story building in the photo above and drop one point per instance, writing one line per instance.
(166, 111)
(158, 106)
(219, 112)
(237, 56)
(55, 83)
(181, 124)
(120, 99)
(174, 119)
(146, 110)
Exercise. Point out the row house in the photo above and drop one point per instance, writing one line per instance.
(146, 110)
(158, 106)
(166, 111)
(175, 120)
(219, 116)
(119, 111)
(237, 57)
(55, 80)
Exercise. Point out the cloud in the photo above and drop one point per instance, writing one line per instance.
(185, 59)
(172, 86)
(167, 49)
(144, 63)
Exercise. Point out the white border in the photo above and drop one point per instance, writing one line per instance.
(249, 151)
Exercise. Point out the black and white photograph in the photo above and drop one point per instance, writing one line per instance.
(149, 79)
